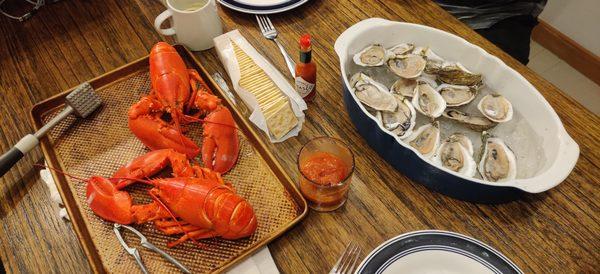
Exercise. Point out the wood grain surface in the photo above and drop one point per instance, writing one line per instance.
(70, 41)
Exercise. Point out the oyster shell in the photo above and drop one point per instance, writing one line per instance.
(498, 162)
(372, 93)
(407, 66)
(402, 121)
(426, 139)
(404, 87)
(477, 123)
(371, 56)
(434, 61)
(457, 74)
(496, 108)
(456, 95)
(456, 153)
(401, 49)
(428, 101)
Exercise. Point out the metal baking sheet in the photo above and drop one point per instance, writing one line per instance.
(102, 143)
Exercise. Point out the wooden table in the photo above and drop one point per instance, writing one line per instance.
(71, 41)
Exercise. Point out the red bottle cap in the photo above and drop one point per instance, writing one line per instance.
(305, 42)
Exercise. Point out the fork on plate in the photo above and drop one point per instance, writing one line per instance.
(347, 262)
(269, 32)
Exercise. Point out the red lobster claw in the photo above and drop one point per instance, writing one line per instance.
(220, 147)
(156, 133)
(108, 202)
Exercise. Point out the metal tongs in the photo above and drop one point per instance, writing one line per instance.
(144, 242)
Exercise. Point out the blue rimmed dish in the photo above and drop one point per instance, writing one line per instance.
(435, 251)
(560, 150)
(262, 7)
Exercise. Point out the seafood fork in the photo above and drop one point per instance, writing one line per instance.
(144, 242)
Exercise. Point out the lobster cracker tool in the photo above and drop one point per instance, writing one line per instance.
(82, 101)
(144, 242)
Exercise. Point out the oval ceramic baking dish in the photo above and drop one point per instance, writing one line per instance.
(560, 149)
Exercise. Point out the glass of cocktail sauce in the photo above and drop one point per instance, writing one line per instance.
(326, 165)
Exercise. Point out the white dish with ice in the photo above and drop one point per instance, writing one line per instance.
(545, 152)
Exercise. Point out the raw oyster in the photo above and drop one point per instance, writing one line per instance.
(456, 153)
(372, 93)
(434, 61)
(456, 95)
(371, 56)
(404, 87)
(426, 139)
(428, 101)
(401, 49)
(477, 123)
(402, 120)
(457, 74)
(498, 163)
(407, 66)
(496, 108)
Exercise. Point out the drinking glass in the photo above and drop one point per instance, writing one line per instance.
(325, 197)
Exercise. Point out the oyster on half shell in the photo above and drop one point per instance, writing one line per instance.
(434, 61)
(457, 74)
(456, 153)
(404, 87)
(401, 121)
(455, 95)
(407, 66)
(372, 94)
(496, 108)
(372, 56)
(426, 139)
(401, 49)
(477, 123)
(428, 101)
(498, 162)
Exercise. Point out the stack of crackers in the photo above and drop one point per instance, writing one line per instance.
(273, 103)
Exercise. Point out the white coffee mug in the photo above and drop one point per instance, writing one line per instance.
(195, 22)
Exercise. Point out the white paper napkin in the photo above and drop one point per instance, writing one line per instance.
(230, 63)
(259, 263)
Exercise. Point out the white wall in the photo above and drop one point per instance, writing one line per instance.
(578, 19)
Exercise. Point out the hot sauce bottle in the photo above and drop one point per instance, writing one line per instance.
(306, 71)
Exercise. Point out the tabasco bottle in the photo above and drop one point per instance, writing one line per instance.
(306, 71)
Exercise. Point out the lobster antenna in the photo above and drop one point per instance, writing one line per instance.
(175, 115)
(84, 179)
(209, 122)
(61, 172)
(157, 199)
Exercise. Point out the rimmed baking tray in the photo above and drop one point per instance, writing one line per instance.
(102, 143)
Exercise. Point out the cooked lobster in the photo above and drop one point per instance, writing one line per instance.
(180, 96)
(196, 202)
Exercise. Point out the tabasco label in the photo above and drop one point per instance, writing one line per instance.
(303, 87)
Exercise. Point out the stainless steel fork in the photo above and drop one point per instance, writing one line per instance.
(269, 32)
(347, 262)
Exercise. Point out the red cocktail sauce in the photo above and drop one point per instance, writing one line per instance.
(325, 172)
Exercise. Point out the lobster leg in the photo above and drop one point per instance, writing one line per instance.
(202, 98)
(146, 124)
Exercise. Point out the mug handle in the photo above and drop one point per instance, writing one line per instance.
(160, 19)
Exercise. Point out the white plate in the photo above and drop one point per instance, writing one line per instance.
(262, 6)
(434, 251)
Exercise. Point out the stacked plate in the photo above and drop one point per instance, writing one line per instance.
(262, 6)
(434, 251)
